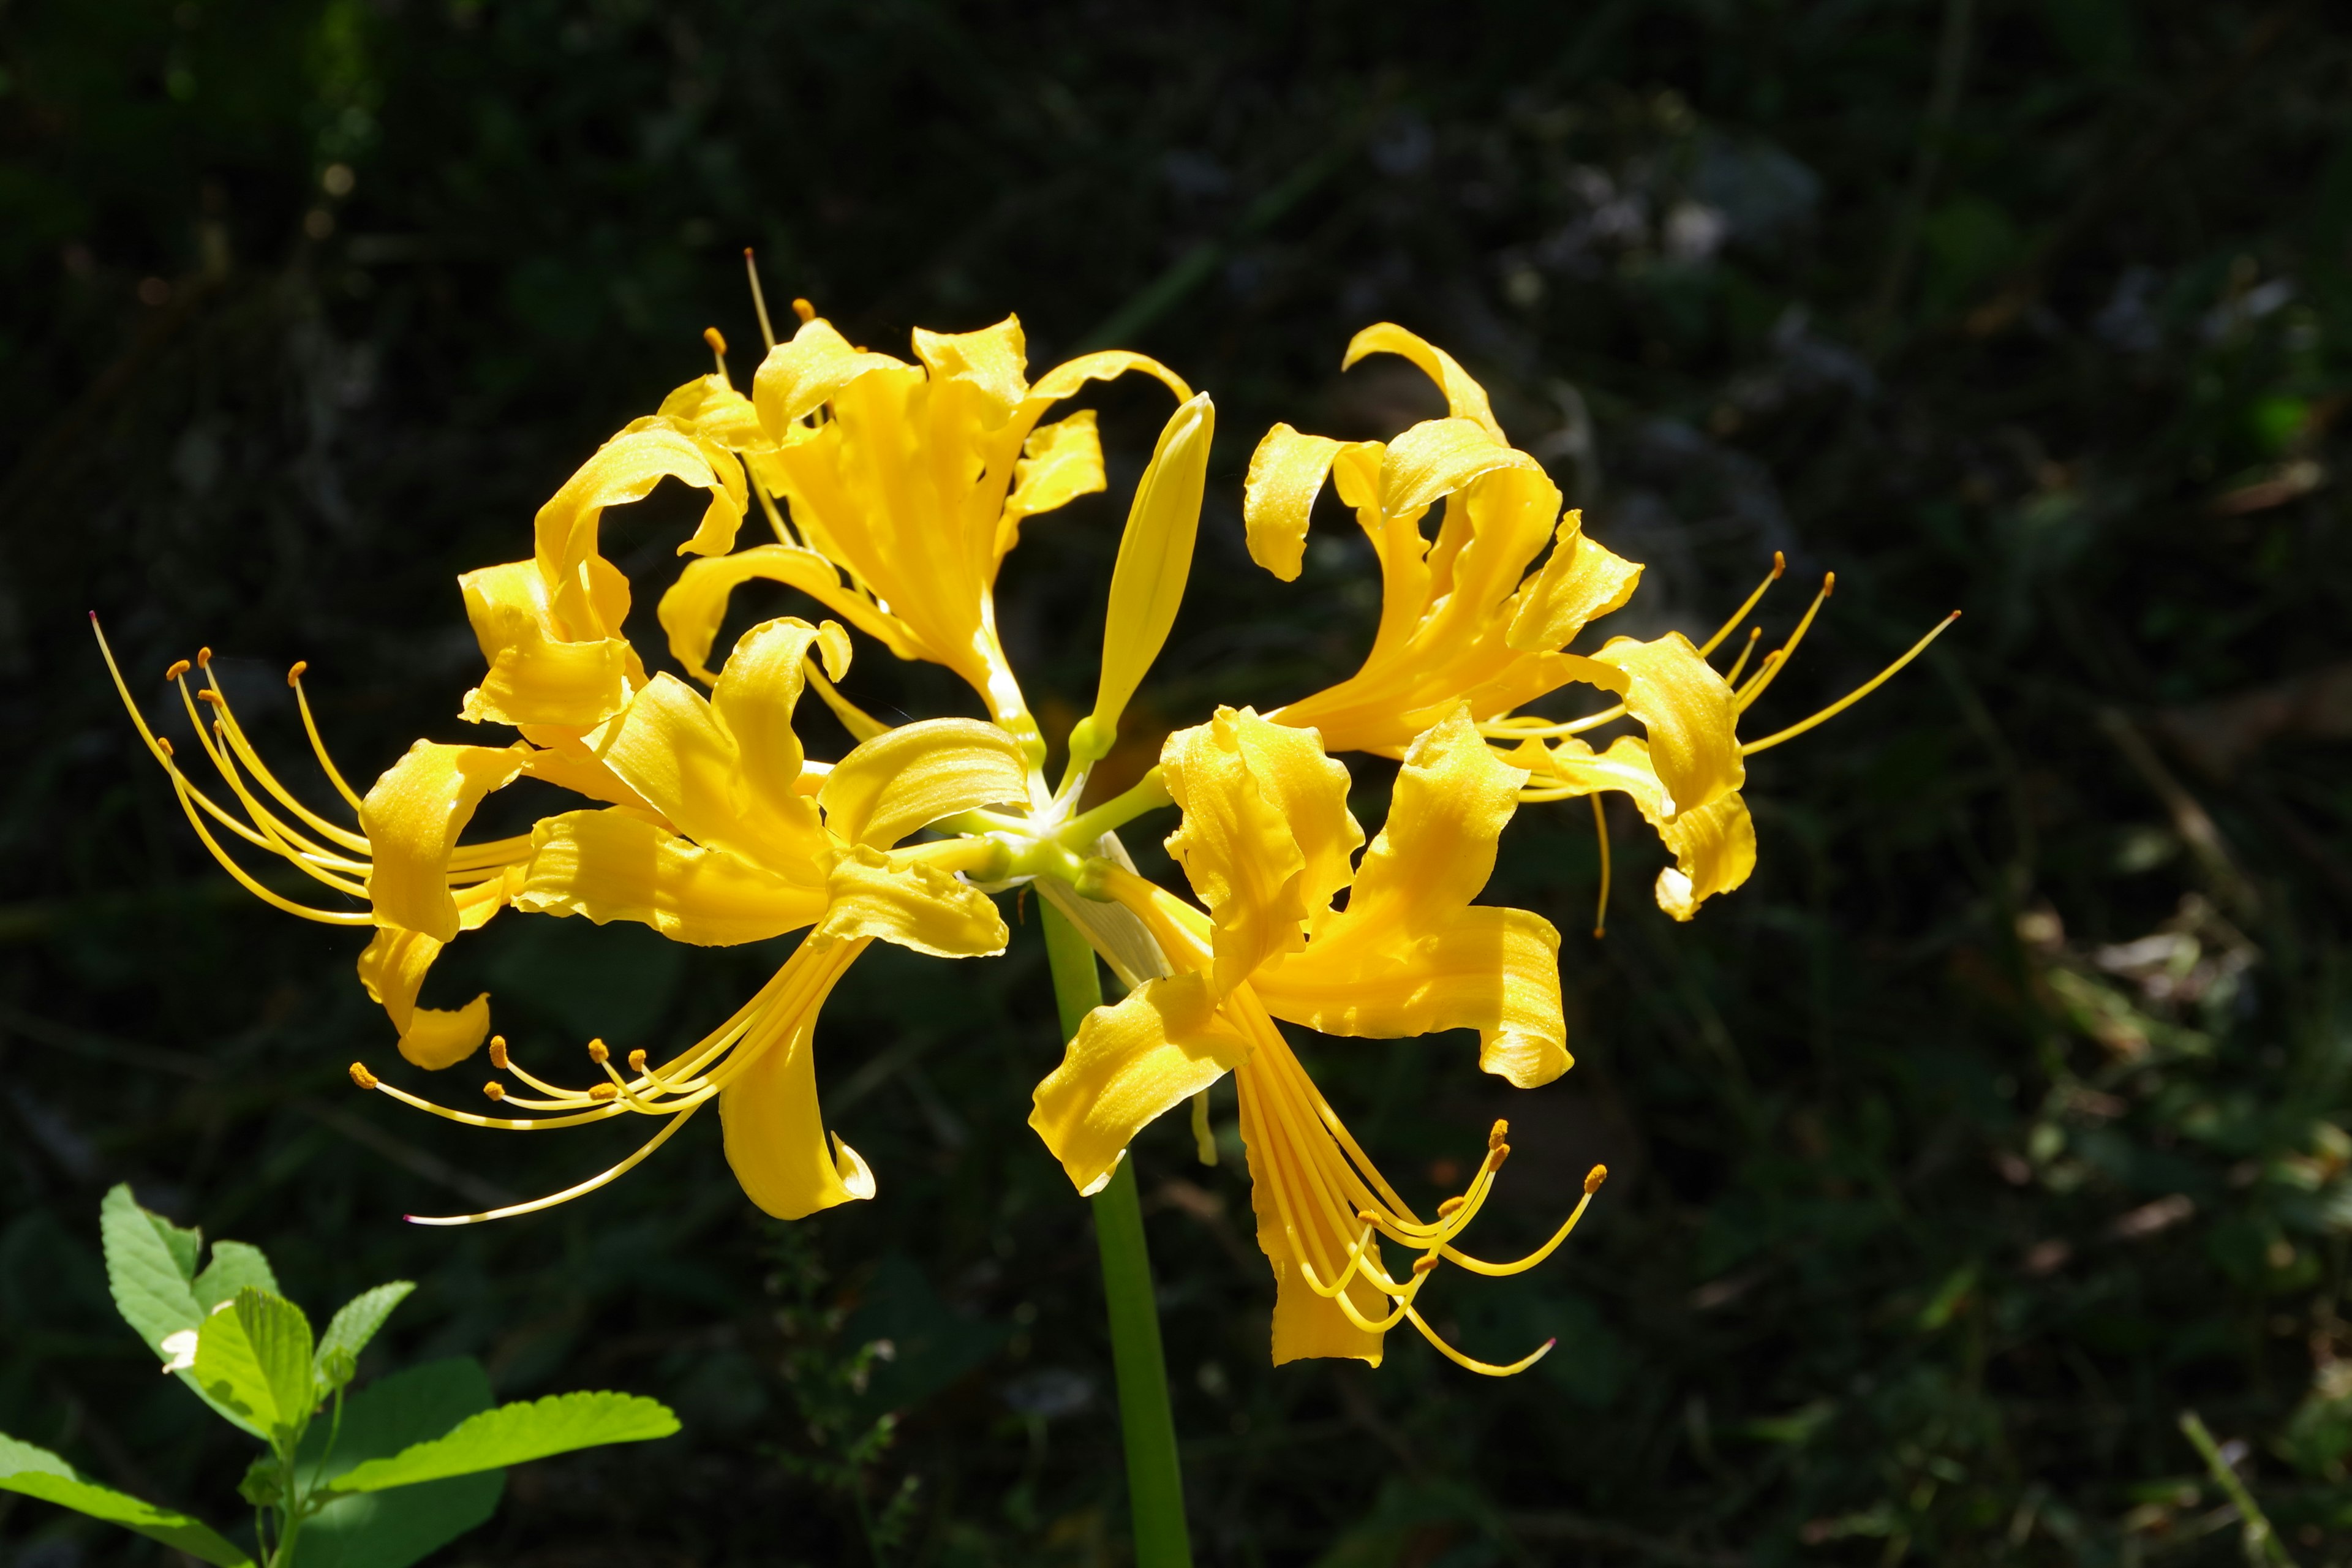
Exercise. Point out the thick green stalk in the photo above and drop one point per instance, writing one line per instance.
(1155, 1480)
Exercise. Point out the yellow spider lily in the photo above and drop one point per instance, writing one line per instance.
(907, 485)
(1267, 843)
(1465, 619)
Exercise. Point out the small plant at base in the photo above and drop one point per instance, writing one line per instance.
(394, 1472)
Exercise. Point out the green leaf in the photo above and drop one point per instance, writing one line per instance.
(37, 1473)
(392, 1529)
(254, 1356)
(151, 1267)
(514, 1433)
(234, 1267)
(354, 1324)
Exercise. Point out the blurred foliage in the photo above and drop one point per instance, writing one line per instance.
(2002, 1117)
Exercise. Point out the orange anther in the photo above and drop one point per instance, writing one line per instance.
(603, 1091)
(362, 1076)
(207, 694)
(597, 1053)
(499, 1052)
(164, 746)
(1594, 1177)
(804, 310)
(1494, 1161)
(716, 339)
(637, 1061)
(1497, 1133)
(495, 1090)
(1780, 563)
(294, 676)
(203, 659)
(179, 667)
(1451, 1207)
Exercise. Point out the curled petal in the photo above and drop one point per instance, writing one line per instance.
(1059, 463)
(993, 361)
(615, 865)
(1286, 475)
(914, 905)
(1437, 457)
(1687, 706)
(413, 816)
(690, 612)
(393, 969)
(626, 469)
(776, 1135)
(1579, 583)
(1126, 1065)
(1715, 850)
(802, 375)
(1465, 398)
(911, 776)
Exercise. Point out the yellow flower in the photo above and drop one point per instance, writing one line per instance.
(907, 485)
(1465, 619)
(1267, 843)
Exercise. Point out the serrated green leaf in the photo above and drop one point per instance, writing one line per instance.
(513, 1434)
(394, 1529)
(353, 1325)
(254, 1356)
(234, 1266)
(37, 1473)
(151, 1267)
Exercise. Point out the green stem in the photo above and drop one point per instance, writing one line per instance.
(1080, 832)
(2263, 1544)
(1155, 1480)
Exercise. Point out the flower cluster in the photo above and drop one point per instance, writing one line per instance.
(893, 491)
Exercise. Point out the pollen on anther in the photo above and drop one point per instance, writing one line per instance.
(1424, 1264)
(597, 1053)
(179, 667)
(1495, 1158)
(499, 1052)
(209, 695)
(203, 659)
(804, 310)
(495, 1090)
(294, 676)
(1829, 584)
(716, 339)
(1594, 1177)
(1497, 1133)
(637, 1061)
(164, 745)
(1780, 563)
(603, 1091)
(1451, 1207)
(362, 1076)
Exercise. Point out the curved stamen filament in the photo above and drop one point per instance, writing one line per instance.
(252, 759)
(1851, 698)
(603, 1178)
(181, 788)
(1601, 837)
(1779, 564)
(1731, 676)
(1592, 1181)
(1779, 659)
(318, 742)
(1470, 1363)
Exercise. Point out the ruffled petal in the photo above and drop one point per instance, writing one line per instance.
(775, 1136)
(1266, 836)
(1581, 582)
(1126, 1065)
(993, 361)
(393, 969)
(616, 866)
(1465, 398)
(1452, 799)
(626, 469)
(537, 676)
(695, 605)
(915, 905)
(907, 778)
(1437, 457)
(1285, 474)
(1715, 849)
(1687, 706)
(413, 816)
(802, 375)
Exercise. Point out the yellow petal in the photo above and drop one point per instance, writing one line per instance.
(1625, 766)
(626, 469)
(1409, 955)
(616, 866)
(1294, 1230)
(1059, 463)
(776, 1135)
(568, 764)
(1105, 365)
(1155, 558)
(690, 612)
(994, 361)
(912, 904)
(911, 776)
(412, 817)
(393, 969)
(802, 375)
(1126, 1065)
(1266, 837)
(1686, 707)
(1715, 849)
(538, 677)
(1581, 582)
(1465, 398)
(1286, 475)
(756, 696)
(711, 409)
(1436, 458)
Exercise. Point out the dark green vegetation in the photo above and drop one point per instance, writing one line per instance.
(2001, 1117)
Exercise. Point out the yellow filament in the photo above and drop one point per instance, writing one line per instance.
(1779, 661)
(1600, 835)
(759, 300)
(1499, 1271)
(1851, 698)
(245, 879)
(1779, 564)
(603, 1178)
(1471, 1363)
(252, 760)
(1731, 676)
(499, 1123)
(318, 742)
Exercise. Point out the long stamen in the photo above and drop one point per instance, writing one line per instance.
(1779, 564)
(603, 1178)
(181, 787)
(1779, 661)
(318, 742)
(1471, 1363)
(252, 760)
(1731, 676)
(717, 342)
(1592, 1180)
(1600, 835)
(759, 298)
(1851, 698)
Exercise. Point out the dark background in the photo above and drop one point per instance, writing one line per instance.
(1997, 1121)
